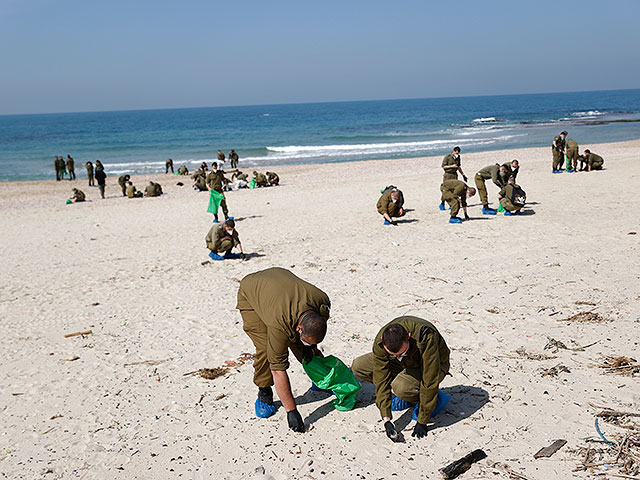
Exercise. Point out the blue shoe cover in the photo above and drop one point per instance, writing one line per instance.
(455, 220)
(387, 222)
(488, 211)
(398, 404)
(441, 207)
(264, 410)
(443, 400)
(215, 220)
(315, 388)
(507, 213)
(229, 218)
(215, 256)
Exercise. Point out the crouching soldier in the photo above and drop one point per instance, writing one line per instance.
(409, 360)
(512, 197)
(132, 192)
(455, 193)
(594, 161)
(78, 196)
(221, 239)
(390, 204)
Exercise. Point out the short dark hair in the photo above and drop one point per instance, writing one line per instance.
(230, 223)
(456, 149)
(314, 326)
(564, 133)
(394, 336)
(514, 160)
(586, 150)
(214, 164)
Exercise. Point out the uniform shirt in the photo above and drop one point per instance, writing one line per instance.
(510, 172)
(560, 142)
(448, 160)
(216, 234)
(273, 177)
(572, 144)
(131, 191)
(280, 298)
(427, 352)
(122, 180)
(78, 196)
(593, 157)
(493, 172)
(89, 169)
(200, 183)
(261, 179)
(70, 163)
(151, 191)
(215, 180)
(457, 188)
(385, 205)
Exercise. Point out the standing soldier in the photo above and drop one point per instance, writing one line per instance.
(594, 161)
(281, 312)
(168, 165)
(498, 174)
(409, 360)
(558, 150)
(572, 155)
(221, 158)
(89, 166)
(233, 156)
(122, 181)
(71, 168)
(455, 192)
(56, 165)
(451, 167)
(216, 181)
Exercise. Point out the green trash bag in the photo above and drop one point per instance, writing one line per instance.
(252, 183)
(566, 163)
(500, 208)
(215, 199)
(330, 373)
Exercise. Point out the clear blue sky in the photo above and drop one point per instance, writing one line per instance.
(83, 55)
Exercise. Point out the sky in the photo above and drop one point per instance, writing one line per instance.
(79, 55)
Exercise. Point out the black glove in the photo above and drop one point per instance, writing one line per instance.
(420, 430)
(465, 178)
(307, 353)
(391, 431)
(295, 421)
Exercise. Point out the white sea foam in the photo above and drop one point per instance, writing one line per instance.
(589, 113)
(485, 120)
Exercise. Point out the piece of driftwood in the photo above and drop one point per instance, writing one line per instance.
(454, 469)
(550, 450)
(75, 334)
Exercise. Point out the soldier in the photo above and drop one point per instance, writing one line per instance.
(390, 205)
(132, 192)
(513, 167)
(233, 157)
(455, 192)
(281, 312)
(499, 175)
(56, 165)
(101, 177)
(409, 360)
(153, 190)
(221, 158)
(122, 181)
(572, 155)
(512, 197)
(89, 167)
(204, 167)
(451, 167)
(78, 195)
(183, 170)
(62, 167)
(168, 165)
(594, 161)
(240, 180)
(261, 180)
(71, 168)
(558, 150)
(215, 181)
(583, 163)
(221, 239)
(273, 178)
(200, 183)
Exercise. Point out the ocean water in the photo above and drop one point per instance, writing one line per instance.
(140, 141)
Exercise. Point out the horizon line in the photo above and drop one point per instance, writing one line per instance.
(308, 103)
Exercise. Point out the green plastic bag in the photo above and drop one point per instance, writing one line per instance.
(252, 183)
(500, 208)
(566, 163)
(330, 373)
(215, 199)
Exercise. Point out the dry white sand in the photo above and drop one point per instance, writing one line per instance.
(130, 271)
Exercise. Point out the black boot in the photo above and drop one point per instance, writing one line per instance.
(265, 395)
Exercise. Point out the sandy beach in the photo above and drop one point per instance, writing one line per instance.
(116, 403)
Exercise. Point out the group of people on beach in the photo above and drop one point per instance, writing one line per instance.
(565, 150)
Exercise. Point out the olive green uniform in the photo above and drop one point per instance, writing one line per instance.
(233, 157)
(386, 205)
(122, 181)
(183, 170)
(168, 165)
(153, 190)
(132, 192)
(489, 172)
(89, 167)
(201, 183)
(240, 176)
(450, 173)
(219, 241)
(454, 192)
(274, 179)
(71, 168)
(558, 156)
(505, 201)
(271, 303)
(416, 377)
(511, 172)
(59, 165)
(261, 180)
(215, 180)
(78, 196)
(572, 153)
(595, 161)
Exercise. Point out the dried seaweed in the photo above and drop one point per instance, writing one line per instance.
(585, 317)
(523, 354)
(620, 366)
(554, 371)
(212, 373)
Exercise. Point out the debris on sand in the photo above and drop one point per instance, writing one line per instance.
(620, 366)
(523, 354)
(554, 371)
(585, 317)
(550, 450)
(212, 373)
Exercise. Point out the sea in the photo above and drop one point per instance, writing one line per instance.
(139, 142)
